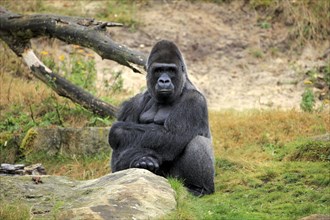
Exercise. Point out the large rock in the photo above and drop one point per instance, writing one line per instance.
(66, 141)
(316, 217)
(128, 194)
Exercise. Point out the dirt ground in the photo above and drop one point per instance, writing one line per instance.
(235, 62)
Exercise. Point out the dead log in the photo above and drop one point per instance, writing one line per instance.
(66, 89)
(21, 169)
(17, 31)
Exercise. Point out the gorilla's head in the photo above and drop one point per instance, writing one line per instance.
(166, 72)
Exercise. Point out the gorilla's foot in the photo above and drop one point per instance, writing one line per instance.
(197, 191)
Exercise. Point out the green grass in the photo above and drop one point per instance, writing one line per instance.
(81, 167)
(14, 211)
(274, 190)
(259, 176)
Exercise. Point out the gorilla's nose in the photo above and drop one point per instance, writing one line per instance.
(164, 81)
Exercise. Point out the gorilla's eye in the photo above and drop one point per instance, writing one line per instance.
(163, 68)
(172, 70)
(159, 71)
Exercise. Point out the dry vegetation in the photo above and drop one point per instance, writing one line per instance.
(234, 131)
(310, 20)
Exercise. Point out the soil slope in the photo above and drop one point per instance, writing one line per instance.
(231, 58)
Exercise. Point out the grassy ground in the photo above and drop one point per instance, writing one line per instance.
(268, 166)
(260, 178)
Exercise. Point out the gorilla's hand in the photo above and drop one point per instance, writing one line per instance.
(148, 163)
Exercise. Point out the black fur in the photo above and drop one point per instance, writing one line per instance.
(165, 129)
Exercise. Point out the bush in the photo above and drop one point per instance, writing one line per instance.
(308, 101)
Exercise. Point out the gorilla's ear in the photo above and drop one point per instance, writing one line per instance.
(166, 51)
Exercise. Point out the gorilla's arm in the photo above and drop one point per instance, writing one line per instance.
(186, 121)
(165, 142)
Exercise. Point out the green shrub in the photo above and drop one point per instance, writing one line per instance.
(308, 101)
(311, 151)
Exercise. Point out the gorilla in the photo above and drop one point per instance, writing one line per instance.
(165, 129)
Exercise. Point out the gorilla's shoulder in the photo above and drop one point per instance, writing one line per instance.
(193, 94)
(191, 89)
(139, 98)
(130, 109)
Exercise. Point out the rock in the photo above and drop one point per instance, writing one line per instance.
(66, 141)
(316, 217)
(323, 137)
(128, 194)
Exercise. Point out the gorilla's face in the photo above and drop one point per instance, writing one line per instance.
(165, 81)
(166, 72)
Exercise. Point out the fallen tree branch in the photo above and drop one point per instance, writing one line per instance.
(65, 88)
(17, 31)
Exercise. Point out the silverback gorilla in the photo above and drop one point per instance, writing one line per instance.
(165, 129)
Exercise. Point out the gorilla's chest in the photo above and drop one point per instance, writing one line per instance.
(155, 114)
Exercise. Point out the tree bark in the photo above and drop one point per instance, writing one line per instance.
(17, 30)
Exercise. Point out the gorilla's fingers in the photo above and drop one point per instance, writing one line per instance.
(143, 164)
(154, 163)
(156, 166)
(151, 166)
(137, 165)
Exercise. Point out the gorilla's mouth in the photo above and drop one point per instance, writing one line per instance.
(165, 92)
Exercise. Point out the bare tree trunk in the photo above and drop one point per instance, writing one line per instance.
(17, 30)
(65, 88)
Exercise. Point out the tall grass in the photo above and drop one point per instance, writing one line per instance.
(123, 11)
(236, 132)
(309, 20)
